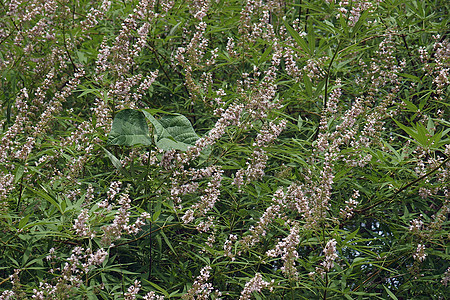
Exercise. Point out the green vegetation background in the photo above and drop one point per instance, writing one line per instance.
(224, 149)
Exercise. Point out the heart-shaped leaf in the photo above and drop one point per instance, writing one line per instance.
(173, 132)
(129, 128)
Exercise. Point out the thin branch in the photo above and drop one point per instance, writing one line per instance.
(404, 187)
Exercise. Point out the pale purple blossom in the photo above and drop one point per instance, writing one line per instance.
(7, 295)
(416, 225)
(287, 249)
(227, 247)
(256, 284)
(350, 205)
(152, 296)
(121, 223)
(207, 201)
(81, 224)
(133, 290)
(330, 255)
(201, 288)
(420, 253)
(446, 277)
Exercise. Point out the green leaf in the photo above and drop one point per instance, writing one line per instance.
(300, 41)
(82, 57)
(116, 163)
(155, 215)
(299, 122)
(166, 294)
(410, 105)
(409, 76)
(390, 293)
(129, 128)
(263, 57)
(311, 37)
(24, 221)
(121, 271)
(173, 132)
(33, 224)
(47, 197)
(418, 134)
(359, 261)
(168, 242)
(351, 236)
(308, 85)
(19, 173)
(362, 18)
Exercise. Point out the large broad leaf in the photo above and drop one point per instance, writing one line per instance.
(173, 132)
(129, 128)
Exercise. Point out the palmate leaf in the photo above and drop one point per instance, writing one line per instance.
(129, 128)
(173, 132)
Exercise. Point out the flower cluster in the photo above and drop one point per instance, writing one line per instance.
(208, 200)
(256, 284)
(81, 225)
(330, 255)
(441, 69)
(16, 292)
(251, 9)
(95, 15)
(133, 290)
(189, 57)
(416, 225)
(7, 295)
(287, 248)
(205, 226)
(271, 213)
(313, 68)
(199, 8)
(119, 59)
(347, 211)
(420, 254)
(231, 116)
(121, 222)
(446, 278)
(228, 246)
(6, 186)
(79, 264)
(201, 289)
(152, 296)
(357, 8)
(257, 164)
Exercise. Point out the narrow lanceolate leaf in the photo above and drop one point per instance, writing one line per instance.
(391, 294)
(300, 41)
(116, 163)
(173, 132)
(129, 128)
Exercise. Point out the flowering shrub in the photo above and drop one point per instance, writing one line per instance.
(224, 149)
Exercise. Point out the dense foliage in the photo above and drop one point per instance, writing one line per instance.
(224, 149)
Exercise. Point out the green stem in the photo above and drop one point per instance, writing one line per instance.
(327, 79)
(404, 187)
